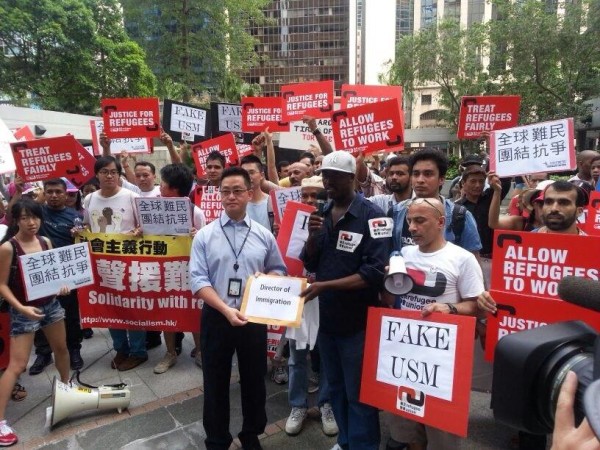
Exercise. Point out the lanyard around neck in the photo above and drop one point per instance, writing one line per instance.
(236, 266)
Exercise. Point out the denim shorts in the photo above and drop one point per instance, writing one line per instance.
(21, 324)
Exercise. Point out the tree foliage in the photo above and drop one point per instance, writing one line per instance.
(66, 55)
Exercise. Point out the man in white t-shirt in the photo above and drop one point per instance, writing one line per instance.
(447, 279)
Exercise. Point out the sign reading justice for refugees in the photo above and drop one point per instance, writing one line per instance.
(131, 117)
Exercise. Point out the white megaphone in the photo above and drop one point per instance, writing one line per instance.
(397, 280)
(67, 400)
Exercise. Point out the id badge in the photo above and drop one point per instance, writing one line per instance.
(235, 287)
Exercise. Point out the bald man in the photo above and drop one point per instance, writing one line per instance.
(584, 166)
(298, 172)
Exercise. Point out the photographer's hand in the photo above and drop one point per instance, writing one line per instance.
(566, 436)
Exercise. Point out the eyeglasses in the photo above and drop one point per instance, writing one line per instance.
(105, 173)
(235, 192)
(420, 201)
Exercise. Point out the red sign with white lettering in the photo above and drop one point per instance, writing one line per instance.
(487, 113)
(24, 134)
(307, 99)
(369, 128)
(208, 199)
(362, 94)
(131, 117)
(259, 113)
(592, 222)
(224, 144)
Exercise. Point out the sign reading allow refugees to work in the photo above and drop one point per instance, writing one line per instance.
(486, 114)
(541, 147)
(131, 117)
(259, 113)
(280, 197)
(184, 122)
(301, 138)
(142, 283)
(45, 273)
(369, 128)
(117, 145)
(224, 144)
(292, 235)
(362, 94)
(419, 368)
(274, 300)
(208, 199)
(43, 159)
(313, 99)
(164, 216)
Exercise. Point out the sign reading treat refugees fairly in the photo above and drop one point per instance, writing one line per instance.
(274, 300)
(541, 147)
(313, 99)
(419, 368)
(224, 144)
(280, 197)
(259, 113)
(301, 138)
(362, 94)
(131, 117)
(45, 273)
(208, 199)
(292, 235)
(165, 216)
(184, 122)
(141, 283)
(43, 159)
(487, 113)
(369, 128)
(117, 145)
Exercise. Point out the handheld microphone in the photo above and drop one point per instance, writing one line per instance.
(580, 291)
(321, 202)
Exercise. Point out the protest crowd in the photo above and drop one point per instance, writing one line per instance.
(338, 221)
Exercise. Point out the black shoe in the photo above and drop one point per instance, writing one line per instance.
(88, 333)
(178, 340)
(395, 445)
(76, 360)
(40, 364)
(152, 339)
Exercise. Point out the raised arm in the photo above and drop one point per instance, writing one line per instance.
(167, 141)
(324, 144)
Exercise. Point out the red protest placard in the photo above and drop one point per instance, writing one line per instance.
(117, 145)
(131, 117)
(311, 99)
(84, 170)
(293, 234)
(519, 313)
(532, 264)
(274, 335)
(24, 134)
(487, 113)
(259, 113)
(224, 144)
(362, 94)
(244, 150)
(208, 199)
(42, 159)
(369, 128)
(592, 221)
(419, 368)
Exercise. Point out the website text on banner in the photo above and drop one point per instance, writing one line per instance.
(117, 145)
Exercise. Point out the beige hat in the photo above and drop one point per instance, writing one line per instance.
(315, 181)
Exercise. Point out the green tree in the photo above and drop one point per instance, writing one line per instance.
(66, 55)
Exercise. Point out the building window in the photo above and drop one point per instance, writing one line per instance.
(426, 99)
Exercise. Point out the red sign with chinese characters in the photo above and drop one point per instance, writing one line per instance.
(224, 144)
(313, 99)
(259, 113)
(362, 94)
(131, 117)
(369, 128)
(292, 236)
(479, 114)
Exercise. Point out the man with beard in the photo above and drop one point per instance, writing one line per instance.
(297, 172)
(397, 180)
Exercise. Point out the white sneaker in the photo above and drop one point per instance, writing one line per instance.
(330, 427)
(8, 436)
(294, 423)
(336, 447)
(166, 363)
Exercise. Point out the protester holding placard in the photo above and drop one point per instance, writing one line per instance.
(224, 254)
(397, 180)
(27, 316)
(259, 208)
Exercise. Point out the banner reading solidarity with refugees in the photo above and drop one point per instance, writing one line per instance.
(592, 221)
(131, 117)
(258, 113)
(362, 94)
(300, 137)
(208, 199)
(487, 113)
(369, 128)
(419, 368)
(224, 144)
(307, 99)
(142, 283)
(541, 147)
(292, 235)
(184, 122)
(280, 197)
(43, 159)
(117, 145)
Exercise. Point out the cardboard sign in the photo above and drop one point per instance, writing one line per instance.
(487, 113)
(184, 122)
(532, 264)
(224, 144)
(369, 128)
(519, 313)
(307, 99)
(43, 159)
(130, 145)
(131, 117)
(24, 134)
(142, 283)
(162, 216)
(300, 137)
(274, 300)
(592, 222)
(361, 94)
(208, 199)
(292, 235)
(419, 368)
(259, 113)
(280, 197)
(45, 273)
(541, 147)
(7, 162)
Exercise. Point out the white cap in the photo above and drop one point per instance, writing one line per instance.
(340, 161)
(315, 181)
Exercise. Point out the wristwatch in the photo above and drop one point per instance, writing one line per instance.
(316, 132)
(452, 308)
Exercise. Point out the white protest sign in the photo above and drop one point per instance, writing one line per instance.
(160, 216)
(418, 354)
(279, 198)
(540, 147)
(44, 273)
(300, 137)
(117, 145)
(274, 300)
(7, 162)
(229, 117)
(299, 235)
(188, 120)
